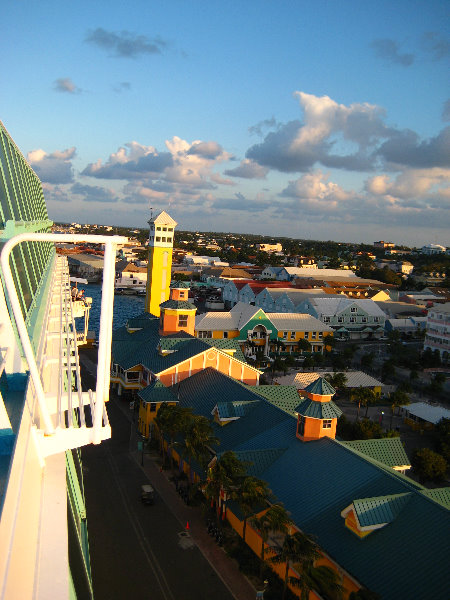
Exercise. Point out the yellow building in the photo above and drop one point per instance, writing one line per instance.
(160, 247)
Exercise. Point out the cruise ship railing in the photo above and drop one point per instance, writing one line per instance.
(97, 401)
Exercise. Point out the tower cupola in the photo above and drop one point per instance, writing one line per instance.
(177, 313)
(317, 413)
(160, 248)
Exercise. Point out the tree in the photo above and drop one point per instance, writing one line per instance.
(362, 396)
(443, 432)
(387, 370)
(321, 578)
(397, 399)
(251, 493)
(276, 520)
(177, 421)
(367, 360)
(428, 465)
(198, 439)
(303, 345)
(337, 380)
(161, 420)
(225, 475)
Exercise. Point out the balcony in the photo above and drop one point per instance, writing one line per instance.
(55, 399)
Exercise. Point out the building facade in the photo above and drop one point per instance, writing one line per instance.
(437, 335)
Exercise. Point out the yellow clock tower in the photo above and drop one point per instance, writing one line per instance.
(160, 246)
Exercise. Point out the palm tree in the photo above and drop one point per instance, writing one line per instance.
(276, 520)
(397, 399)
(296, 548)
(198, 439)
(362, 396)
(251, 493)
(337, 380)
(321, 578)
(161, 421)
(303, 345)
(178, 418)
(225, 476)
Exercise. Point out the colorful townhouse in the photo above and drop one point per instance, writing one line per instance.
(350, 318)
(251, 327)
(376, 528)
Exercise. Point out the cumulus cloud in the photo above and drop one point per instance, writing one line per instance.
(437, 45)
(66, 86)
(446, 111)
(313, 192)
(53, 168)
(388, 50)
(297, 146)
(248, 169)
(209, 150)
(93, 193)
(132, 161)
(263, 125)
(125, 44)
(405, 148)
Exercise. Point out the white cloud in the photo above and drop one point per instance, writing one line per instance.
(53, 168)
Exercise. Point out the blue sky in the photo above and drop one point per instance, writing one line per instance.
(323, 120)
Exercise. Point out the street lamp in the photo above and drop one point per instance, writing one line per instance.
(260, 594)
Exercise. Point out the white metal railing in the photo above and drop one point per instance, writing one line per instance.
(64, 400)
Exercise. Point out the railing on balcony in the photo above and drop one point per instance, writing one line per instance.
(55, 371)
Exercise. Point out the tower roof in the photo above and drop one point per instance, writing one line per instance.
(321, 387)
(162, 218)
(180, 285)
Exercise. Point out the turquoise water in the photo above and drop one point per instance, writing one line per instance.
(125, 307)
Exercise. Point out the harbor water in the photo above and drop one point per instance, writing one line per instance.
(125, 307)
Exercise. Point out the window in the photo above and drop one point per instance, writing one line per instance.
(353, 309)
(364, 319)
(182, 320)
(352, 319)
(225, 334)
(132, 376)
(340, 319)
(292, 335)
(158, 229)
(163, 239)
(169, 240)
(376, 319)
(326, 424)
(157, 238)
(152, 406)
(205, 334)
(301, 426)
(313, 335)
(285, 335)
(164, 228)
(326, 319)
(170, 229)
(320, 335)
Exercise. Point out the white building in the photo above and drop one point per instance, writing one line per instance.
(350, 319)
(438, 330)
(269, 247)
(433, 249)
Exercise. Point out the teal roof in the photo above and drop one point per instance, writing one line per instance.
(389, 451)
(318, 410)
(320, 386)
(440, 495)
(178, 304)
(157, 392)
(141, 321)
(227, 344)
(180, 285)
(233, 410)
(379, 510)
(317, 480)
(284, 397)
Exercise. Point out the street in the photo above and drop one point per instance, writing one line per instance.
(137, 550)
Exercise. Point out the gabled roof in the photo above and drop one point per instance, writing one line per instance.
(157, 392)
(320, 386)
(389, 451)
(162, 218)
(178, 304)
(245, 312)
(441, 495)
(334, 306)
(297, 322)
(355, 379)
(379, 510)
(284, 397)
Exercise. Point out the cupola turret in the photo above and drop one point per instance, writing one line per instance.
(317, 413)
(177, 313)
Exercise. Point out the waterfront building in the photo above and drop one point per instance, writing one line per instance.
(44, 549)
(160, 247)
(437, 335)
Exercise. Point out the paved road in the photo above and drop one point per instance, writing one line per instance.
(136, 550)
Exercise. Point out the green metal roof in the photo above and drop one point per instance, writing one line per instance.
(381, 509)
(440, 495)
(389, 451)
(157, 392)
(320, 386)
(232, 410)
(259, 460)
(284, 397)
(318, 410)
(178, 304)
(180, 285)
(140, 321)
